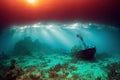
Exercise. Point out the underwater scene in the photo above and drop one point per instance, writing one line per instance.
(60, 51)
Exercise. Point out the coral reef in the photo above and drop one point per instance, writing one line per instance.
(30, 69)
(34, 76)
(57, 72)
(114, 71)
(53, 74)
(58, 67)
(13, 72)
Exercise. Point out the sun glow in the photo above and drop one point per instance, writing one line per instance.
(31, 1)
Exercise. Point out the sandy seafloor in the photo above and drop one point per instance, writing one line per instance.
(65, 66)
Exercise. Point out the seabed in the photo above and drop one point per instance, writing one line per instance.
(59, 66)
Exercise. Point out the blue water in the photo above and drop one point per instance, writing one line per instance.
(63, 36)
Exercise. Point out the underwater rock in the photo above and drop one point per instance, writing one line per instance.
(35, 76)
(24, 77)
(56, 68)
(53, 74)
(31, 69)
(114, 71)
(13, 72)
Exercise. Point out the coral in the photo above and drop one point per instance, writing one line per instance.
(75, 76)
(13, 72)
(44, 64)
(65, 65)
(31, 69)
(24, 77)
(53, 74)
(43, 74)
(56, 68)
(57, 72)
(35, 76)
(114, 71)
